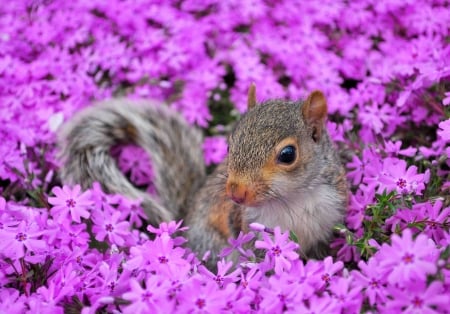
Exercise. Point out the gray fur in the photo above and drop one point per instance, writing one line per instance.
(309, 199)
(174, 148)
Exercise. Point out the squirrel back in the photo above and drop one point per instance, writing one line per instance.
(174, 148)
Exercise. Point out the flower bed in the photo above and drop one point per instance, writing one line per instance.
(385, 68)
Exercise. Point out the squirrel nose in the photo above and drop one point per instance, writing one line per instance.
(237, 192)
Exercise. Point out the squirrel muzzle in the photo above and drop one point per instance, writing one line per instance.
(240, 191)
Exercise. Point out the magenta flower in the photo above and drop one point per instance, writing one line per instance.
(222, 278)
(197, 296)
(71, 202)
(214, 149)
(136, 161)
(347, 294)
(111, 226)
(418, 298)
(444, 130)
(372, 278)
(327, 271)
(280, 252)
(408, 259)
(18, 240)
(152, 298)
(396, 176)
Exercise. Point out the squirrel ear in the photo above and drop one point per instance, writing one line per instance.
(314, 112)
(251, 98)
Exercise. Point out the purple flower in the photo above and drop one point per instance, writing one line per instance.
(327, 271)
(418, 298)
(214, 149)
(152, 297)
(408, 259)
(109, 225)
(444, 130)
(135, 161)
(280, 251)
(197, 296)
(347, 294)
(221, 278)
(19, 239)
(70, 201)
(395, 176)
(372, 278)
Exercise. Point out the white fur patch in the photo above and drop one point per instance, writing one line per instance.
(310, 214)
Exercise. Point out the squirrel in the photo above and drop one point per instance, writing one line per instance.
(281, 169)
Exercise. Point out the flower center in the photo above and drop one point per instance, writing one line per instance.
(401, 183)
(146, 296)
(417, 302)
(71, 203)
(163, 260)
(374, 283)
(408, 258)
(200, 303)
(21, 236)
(276, 251)
(326, 277)
(109, 227)
(219, 279)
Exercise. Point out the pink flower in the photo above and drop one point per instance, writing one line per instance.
(136, 161)
(280, 251)
(418, 298)
(372, 278)
(214, 149)
(152, 297)
(109, 225)
(444, 130)
(70, 201)
(407, 259)
(396, 176)
(18, 240)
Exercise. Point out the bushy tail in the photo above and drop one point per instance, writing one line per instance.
(174, 148)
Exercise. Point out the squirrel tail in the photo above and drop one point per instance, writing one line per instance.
(174, 148)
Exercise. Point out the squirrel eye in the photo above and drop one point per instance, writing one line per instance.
(287, 155)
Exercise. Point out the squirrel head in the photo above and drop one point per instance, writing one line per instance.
(272, 143)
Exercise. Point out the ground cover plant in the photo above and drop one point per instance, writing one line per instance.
(385, 68)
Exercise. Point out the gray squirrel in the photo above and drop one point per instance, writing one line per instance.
(281, 170)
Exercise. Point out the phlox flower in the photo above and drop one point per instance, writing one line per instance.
(221, 278)
(165, 258)
(318, 304)
(347, 294)
(396, 176)
(444, 130)
(135, 161)
(408, 259)
(198, 296)
(70, 201)
(151, 297)
(372, 279)
(214, 149)
(11, 302)
(280, 252)
(110, 225)
(417, 298)
(281, 293)
(21, 238)
(436, 216)
(170, 228)
(236, 245)
(326, 270)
